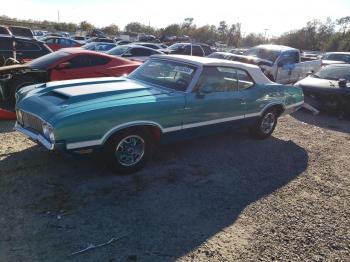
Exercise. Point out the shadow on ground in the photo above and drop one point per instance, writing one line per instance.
(6, 126)
(323, 120)
(189, 193)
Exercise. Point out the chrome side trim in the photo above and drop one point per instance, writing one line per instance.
(211, 122)
(252, 114)
(294, 105)
(36, 137)
(173, 128)
(83, 144)
(129, 124)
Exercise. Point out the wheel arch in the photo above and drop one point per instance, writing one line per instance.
(279, 107)
(153, 128)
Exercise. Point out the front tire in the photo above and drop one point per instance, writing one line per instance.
(129, 150)
(265, 126)
(18, 84)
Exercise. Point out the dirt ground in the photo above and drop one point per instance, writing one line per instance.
(221, 198)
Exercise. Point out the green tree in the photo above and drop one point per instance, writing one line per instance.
(86, 26)
(344, 23)
(112, 29)
(223, 30)
(172, 30)
(136, 27)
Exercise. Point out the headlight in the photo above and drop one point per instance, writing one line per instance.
(48, 132)
(19, 117)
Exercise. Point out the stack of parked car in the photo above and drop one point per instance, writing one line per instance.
(323, 77)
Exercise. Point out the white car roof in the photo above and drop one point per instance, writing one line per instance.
(276, 47)
(341, 53)
(253, 70)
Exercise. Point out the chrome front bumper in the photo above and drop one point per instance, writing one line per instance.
(292, 108)
(35, 137)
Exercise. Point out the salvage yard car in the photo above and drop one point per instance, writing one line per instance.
(21, 49)
(281, 64)
(168, 98)
(134, 52)
(336, 58)
(57, 43)
(328, 89)
(65, 64)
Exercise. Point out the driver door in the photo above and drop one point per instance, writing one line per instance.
(286, 67)
(215, 101)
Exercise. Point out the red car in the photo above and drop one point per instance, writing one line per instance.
(65, 64)
(56, 42)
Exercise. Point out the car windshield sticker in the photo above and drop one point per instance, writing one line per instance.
(183, 69)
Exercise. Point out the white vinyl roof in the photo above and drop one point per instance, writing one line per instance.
(253, 70)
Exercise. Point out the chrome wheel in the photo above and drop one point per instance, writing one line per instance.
(268, 123)
(130, 150)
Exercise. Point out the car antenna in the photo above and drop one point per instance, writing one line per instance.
(191, 46)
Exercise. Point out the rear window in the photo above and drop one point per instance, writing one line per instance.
(22, 45)
(45, 61)
(21, 31)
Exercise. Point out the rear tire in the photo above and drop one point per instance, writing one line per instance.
(265, 126)
(129, 150)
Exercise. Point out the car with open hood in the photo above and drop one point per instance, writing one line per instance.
(328, 89)
(167, 99)
(279, 63)
(73, 63)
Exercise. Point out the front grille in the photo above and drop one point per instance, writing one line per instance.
(32, 122)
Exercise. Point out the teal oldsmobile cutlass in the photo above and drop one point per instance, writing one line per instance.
(169, 97)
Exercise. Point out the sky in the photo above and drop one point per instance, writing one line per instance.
(277, 16)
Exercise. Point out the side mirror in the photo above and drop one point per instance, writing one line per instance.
(342, 83)
(64, 65)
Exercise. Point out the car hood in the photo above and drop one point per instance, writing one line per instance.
(313, 82)
(332, 62)
(70, 97)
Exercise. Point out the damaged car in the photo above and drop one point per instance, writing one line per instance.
(328, 89)
(61, 65)
(281, 64)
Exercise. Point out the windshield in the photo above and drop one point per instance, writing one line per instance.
(217, 55)
(119, 50)
(165, 73)
(45, 61)
(270, 55)
(334, 72)
(338, 57)
(89, 46)
(176, 46)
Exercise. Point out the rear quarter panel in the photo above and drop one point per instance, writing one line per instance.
(260, 96)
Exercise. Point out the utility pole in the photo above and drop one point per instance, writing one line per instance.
(266, 29)
(58, 16)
